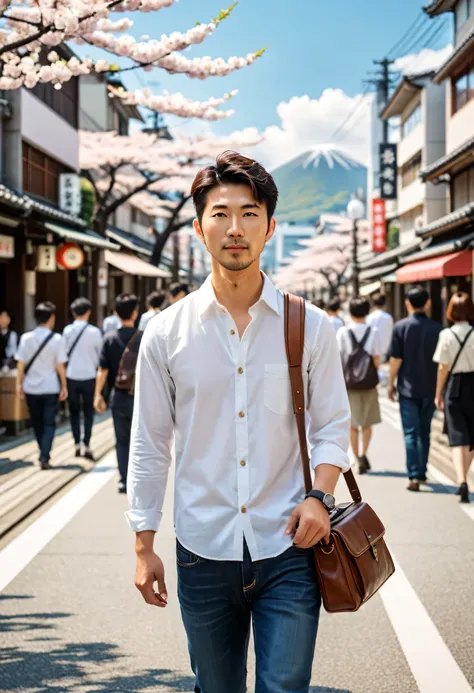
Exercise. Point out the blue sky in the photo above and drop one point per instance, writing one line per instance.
(315, 45)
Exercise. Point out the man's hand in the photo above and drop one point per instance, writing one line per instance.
(391, 393)
(439, 402)
(150, 569)
(99, 404)
(63, 395)
(312, 520)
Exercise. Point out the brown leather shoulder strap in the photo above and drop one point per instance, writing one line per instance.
(295, 314)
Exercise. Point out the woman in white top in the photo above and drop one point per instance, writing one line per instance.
(455, 385)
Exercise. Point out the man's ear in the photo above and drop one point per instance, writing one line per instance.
(271, 229)
(198, 230)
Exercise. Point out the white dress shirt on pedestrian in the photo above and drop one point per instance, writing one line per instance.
(146, 317)
(111, 324)
(448, 348)
(42, 378)
(12, 344)
(83, 362)
(336, 322)
(383, 321)
(373, 345)
(227, 403)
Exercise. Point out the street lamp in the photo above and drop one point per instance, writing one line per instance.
(355, 212)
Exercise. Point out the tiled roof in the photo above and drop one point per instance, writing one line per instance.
(452, 220)
(445, 69)
(439, 7)
(438, 165)
(394, 254)
(29, 203)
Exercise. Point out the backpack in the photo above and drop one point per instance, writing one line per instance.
(359, 368)
(125, 379)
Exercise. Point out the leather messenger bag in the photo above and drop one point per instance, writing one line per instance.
(356, 562)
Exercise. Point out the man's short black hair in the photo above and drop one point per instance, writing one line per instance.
(155, 299)
(81, 306)
(44, 311)
(177, 288)
(418, 297)
(125, 305)
(359, 307)
(378, 299)
(319, 303)
(334, 305)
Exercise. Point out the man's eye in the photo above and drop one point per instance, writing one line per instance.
(250, 214)
(219, 214)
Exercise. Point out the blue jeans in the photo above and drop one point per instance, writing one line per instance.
(219, 599)
(81, 396)
(416, 421)
(43, 410)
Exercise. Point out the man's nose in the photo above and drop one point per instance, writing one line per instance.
(235, 230)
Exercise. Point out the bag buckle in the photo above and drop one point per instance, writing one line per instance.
(373, 547)
(328, 548)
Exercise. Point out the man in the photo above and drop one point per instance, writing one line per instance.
(177, 292)
(154, 302)
(383, 322)
(121, 401)
(334, 306)
(364, 399)
(413, 346)
(41, 376)
(84, 344)
(8, 340)
(111, 323)
(213, 376)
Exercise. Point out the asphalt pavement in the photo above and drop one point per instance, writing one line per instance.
(72, 621)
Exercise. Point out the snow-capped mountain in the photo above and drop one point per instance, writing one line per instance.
(317, 181)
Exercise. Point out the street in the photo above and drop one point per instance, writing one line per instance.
(73, 621)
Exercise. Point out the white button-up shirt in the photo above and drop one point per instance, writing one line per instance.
(383, 322)
(42, 378)
(83, 362)
(228, 403)
(146, 317)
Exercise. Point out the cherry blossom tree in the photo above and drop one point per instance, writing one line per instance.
(31, 29)
(150, 171)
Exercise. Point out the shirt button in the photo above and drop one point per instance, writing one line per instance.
(241, 370)
(243, 509)
(232, 332)
(241, 414)
(243, 463)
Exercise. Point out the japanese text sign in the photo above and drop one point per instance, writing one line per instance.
(379, 228)
(388, 171)
(70, 193)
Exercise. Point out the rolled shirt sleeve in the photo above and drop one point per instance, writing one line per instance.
(443, 353)
(328, 404)
(152, 435)
(61, 356)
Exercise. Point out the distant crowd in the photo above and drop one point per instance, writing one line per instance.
(428, 368)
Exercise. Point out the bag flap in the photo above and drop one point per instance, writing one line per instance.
(359, 527)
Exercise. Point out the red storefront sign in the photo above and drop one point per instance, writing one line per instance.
(379, 226)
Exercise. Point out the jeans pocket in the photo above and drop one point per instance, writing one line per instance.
(185, 558)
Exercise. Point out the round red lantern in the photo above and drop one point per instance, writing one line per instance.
(70, 256)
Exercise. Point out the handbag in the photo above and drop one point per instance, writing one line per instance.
(356, 562)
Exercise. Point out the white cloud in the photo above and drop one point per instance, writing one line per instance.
(426, 60)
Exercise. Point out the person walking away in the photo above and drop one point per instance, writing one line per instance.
(413, 346)
(111, 323)
(154, 302)
(334, 306)
(383, 322)
(8, 340)
(455, 385)
(177, 292)
(111, 359)
(41, 376)
(360, 348)
(213, 376)
(84, 344)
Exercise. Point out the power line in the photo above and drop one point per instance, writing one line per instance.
(410, 32)
(427, 36)
(360, 101)
(427, 44)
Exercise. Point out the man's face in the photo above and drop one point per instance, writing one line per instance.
(234, 226)
(178, 297)
(4, 320)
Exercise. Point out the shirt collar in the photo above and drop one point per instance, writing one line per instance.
(207, 296)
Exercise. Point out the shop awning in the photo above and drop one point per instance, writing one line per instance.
(452, 265)
(81, 237)
(131, 264)
(370, 288)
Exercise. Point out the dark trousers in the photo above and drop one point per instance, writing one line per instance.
(416, 421)
(43, 417)
(220, 600)
(122, 412)
(81, 398)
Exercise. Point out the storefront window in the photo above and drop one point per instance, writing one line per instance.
(41, 174)
(412, 121)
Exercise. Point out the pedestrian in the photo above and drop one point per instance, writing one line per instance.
(8, 340)
(413, 346)
(455, 385)
(360, 348)
(177, 292)
(84, 344)
(111, 323)
(213, 375)
(319, 303)
(154, 302)
(383, 321)
(333, 308)
(112, 367)
(41, 376)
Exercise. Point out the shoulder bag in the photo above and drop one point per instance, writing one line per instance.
(38, 352)
(74, 344)
(356, 562)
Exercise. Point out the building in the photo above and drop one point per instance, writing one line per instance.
(285, 241)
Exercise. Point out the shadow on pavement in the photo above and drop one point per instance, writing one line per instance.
(7, 465)
(323, 689)
(397, 475)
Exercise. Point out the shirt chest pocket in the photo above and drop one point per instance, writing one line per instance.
(277, 389)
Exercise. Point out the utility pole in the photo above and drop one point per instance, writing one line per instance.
(382, 81)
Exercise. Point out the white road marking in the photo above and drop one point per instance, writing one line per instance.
(434, 668)
(21, 551)
(449, 485)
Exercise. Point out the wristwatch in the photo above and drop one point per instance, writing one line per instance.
(327, 499)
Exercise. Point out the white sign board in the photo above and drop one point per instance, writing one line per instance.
(46, 258)
(102, 277)
(7, 246)
(70, 193)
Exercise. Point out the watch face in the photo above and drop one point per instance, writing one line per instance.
(329, 501)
